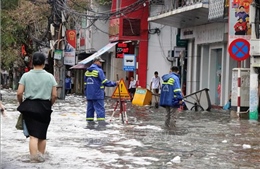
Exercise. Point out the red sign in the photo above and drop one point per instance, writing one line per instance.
(239, 49)
(71, 37)
(121, 49)
(82, 42)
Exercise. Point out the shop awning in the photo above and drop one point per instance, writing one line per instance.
(98, 53)
(79, 66)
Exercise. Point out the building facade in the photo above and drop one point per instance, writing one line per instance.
(204, 24)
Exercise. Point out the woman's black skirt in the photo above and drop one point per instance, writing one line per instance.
(37, 116)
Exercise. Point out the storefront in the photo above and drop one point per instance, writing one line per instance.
(209, 64)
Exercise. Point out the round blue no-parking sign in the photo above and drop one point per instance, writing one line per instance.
(239, 49)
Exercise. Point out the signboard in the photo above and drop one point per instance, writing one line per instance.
(121, 90)
(239, 18)
(239, 29)
(121, 49)
(204, 34)
(180, 42)
(129, 62)
(70, 48)
(239, 26)
(58, 54)
(239, 49)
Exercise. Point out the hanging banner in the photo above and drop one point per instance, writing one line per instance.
(82, 39)
(239, 26)
(71, 37)
(70, 48)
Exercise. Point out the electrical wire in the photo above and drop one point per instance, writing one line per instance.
(104, 16)
(89, 14)
(162, 49)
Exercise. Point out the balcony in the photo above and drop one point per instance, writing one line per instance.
(182, 13)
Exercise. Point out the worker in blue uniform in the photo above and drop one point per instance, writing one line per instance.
(95, 82)
(171, 96)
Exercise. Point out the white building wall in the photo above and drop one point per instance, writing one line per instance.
(99, 31)
(158, 46)
(204, 67)
(195, 67)
(224, 79)
(189, 67)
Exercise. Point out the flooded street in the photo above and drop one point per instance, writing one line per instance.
(202, 140)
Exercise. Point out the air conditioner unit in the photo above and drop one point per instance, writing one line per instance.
(255, 47)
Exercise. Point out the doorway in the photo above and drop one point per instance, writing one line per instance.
(216, 67)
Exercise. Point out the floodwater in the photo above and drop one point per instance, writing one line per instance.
(202, 140)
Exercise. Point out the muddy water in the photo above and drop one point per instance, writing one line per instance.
(202, 140)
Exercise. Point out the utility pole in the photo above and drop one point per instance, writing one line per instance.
(57, 44)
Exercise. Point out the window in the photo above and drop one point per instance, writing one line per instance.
(131, 27)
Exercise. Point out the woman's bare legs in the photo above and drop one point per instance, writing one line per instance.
(41, 145)
(37, 145)
(33, 146)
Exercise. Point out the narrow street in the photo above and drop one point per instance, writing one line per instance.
(202, 140)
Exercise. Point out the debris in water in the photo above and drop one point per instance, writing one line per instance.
(224, 141)
(246, 146)
(176, 159)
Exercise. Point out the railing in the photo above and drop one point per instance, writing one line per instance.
(175, 4)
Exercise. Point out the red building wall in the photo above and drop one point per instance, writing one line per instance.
(125, 23)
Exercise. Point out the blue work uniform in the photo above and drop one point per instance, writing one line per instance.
(170, 98)
(95, 82)
(171, 91)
